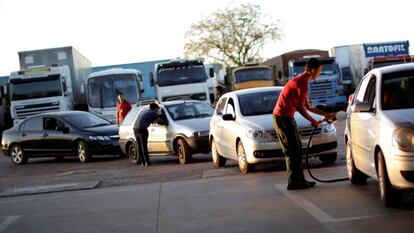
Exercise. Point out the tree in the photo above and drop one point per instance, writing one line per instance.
(232, 36)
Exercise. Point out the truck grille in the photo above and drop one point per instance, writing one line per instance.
(321, 89)
(25, 111)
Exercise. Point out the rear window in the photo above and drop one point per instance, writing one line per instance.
(131, 116)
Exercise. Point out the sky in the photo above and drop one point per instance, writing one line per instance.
(110, 32)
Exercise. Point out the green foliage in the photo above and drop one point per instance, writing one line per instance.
(231, 36)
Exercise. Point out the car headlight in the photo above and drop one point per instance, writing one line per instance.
(259, 135)
(403, 139)
(201, 134)
(327, 128)
(99, 138)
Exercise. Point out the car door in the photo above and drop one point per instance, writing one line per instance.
(159, 137)
(360, 132)
(216, 125)
(229, 133)
(54, 139)
(30, 136)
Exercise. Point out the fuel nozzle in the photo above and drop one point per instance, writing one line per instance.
(339, 116)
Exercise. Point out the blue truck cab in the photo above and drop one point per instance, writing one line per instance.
(327, 90)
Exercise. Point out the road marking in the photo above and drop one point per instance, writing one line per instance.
(9, 220)
(317, 212)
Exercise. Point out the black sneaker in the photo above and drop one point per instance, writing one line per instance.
(310, 183)
(296, 186)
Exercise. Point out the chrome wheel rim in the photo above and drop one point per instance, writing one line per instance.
(81, 152)
(17, 154)
(381, 178)
(180, 150)
(214, 152)
(349, 162)
(242, 156)
(133, 152)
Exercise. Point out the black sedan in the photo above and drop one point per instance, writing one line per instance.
(59, 134)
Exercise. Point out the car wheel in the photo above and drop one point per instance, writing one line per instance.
(218, 160)
(328, 159)
(390, 197)
(183, 151)
(354, 174)
(17, 155)
(244, 166)
(83, 152)
(133, 153)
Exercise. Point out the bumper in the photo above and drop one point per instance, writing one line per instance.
(199, 144)
(400, 168)
(5, 151)
(110, 147)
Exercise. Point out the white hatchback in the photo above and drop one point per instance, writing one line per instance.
(242, 129)
(379, 134)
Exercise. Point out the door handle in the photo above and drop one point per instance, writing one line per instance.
(23, 134)
(45, 135)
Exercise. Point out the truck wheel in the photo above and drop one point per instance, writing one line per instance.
(390, 197)
(83, 152)
(183, 151)
(244, 166)
(218, 160)
(17, 155)
(328, 159)
(354, 174)
(133, 153)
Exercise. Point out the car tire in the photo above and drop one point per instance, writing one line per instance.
(218, 160)
(244, 166)
(328, 159)
(390, 197)
(354, 174)
(17, 155)
(82, 151)
(183, 151)
(133, 155)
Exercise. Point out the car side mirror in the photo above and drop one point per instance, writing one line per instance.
(66, 130)
(228, 117)
(363, 106)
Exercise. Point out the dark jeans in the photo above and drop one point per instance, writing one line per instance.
(287, 132)
(142, 141)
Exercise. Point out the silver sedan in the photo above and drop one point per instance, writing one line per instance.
(242, 129)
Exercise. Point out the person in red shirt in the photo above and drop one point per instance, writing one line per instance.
(294, 97)
(122, 108)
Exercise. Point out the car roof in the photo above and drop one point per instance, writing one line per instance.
(255, 90)
(173, 102)
(62, 113)
(396, 68)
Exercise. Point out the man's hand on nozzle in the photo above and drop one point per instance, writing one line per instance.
(330, 117)
(315, 123)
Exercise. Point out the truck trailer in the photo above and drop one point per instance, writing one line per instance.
(49, 80)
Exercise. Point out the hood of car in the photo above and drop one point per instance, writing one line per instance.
(103, 130)
(265, 122)
(403, 118)
(196, 124)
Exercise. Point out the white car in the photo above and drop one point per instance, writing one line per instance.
(379, 134)
(186, 131)
(242, 129)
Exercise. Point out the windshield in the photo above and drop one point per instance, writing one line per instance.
(253, 74)
(346, 74)
(398, 90)
(103, 90)
(181, 75)
(85, 120)
(328, 67)
(258, 103)
(189, 110)
(33, 88)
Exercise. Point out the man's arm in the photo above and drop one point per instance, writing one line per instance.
(304, 112)
(326, 115)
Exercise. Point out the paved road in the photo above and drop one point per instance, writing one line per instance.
(257, 202)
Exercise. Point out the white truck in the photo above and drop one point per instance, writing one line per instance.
(49, 80)
(181, 79)
(104, 86)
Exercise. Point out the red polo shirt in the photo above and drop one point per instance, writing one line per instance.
(122, 110)
(294, 93)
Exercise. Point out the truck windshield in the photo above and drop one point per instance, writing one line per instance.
(33, 88)
(258, 103)
(252, 74)
(103, 90)
(170, 76)
(328, 68)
